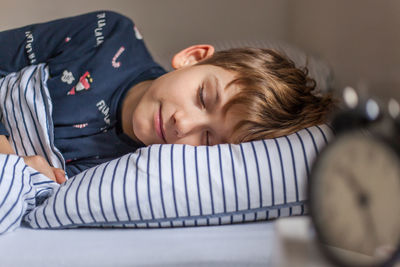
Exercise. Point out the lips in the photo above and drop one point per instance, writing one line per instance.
(158, 123)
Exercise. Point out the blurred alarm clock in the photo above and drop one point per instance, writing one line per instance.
(354, 186)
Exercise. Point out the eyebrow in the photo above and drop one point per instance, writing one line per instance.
(218, 87)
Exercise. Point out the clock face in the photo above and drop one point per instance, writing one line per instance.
(355, 199)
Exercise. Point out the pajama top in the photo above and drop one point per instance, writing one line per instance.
(93, 60)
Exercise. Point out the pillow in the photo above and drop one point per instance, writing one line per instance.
(21, 189)
(25, 111)
(180, 185)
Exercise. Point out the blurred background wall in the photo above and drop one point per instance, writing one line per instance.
(359, 39)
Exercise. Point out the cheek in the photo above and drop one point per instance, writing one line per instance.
(142, 119)
(173, 87)
(137, 124)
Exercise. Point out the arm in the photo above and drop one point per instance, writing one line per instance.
(41, 165)
(5, 147)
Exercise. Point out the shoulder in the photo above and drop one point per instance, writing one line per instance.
(112, 16)
(100, 17)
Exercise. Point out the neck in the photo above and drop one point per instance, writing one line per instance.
(130, 102)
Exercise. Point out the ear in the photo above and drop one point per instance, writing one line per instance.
(191, 55)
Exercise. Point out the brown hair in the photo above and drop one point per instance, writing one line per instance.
(275, 98)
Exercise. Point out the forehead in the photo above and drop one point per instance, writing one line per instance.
(223, 76)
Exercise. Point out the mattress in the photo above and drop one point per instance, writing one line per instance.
(248, 244)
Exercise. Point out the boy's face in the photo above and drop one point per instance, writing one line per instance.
(185, 107)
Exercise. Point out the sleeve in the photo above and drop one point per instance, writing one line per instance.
(3, 130)
(62, 39)
(75, 167)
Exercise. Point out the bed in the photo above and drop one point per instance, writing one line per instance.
(249, 244)
(282, 242)
(162, 205)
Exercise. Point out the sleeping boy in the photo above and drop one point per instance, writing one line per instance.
(110, 98)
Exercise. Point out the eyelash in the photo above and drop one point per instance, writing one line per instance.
(202, 102)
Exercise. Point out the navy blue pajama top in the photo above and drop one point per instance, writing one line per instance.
(93, 60)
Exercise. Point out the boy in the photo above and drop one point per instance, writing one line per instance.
(109, 97)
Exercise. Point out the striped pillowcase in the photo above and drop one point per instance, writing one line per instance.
(181, 185)
(25, 111)
(21, 190)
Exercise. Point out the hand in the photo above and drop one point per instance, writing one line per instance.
(5, 147)
(41, 165)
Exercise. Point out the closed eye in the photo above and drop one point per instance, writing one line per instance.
(201, 96)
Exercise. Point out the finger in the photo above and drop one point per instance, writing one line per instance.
(59, 175)
(40, 164)
(49, 173)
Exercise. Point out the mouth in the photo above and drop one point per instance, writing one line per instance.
(159, 125)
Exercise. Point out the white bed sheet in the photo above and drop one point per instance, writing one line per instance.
(249, 244)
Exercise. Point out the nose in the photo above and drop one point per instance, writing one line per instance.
(185, 124)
